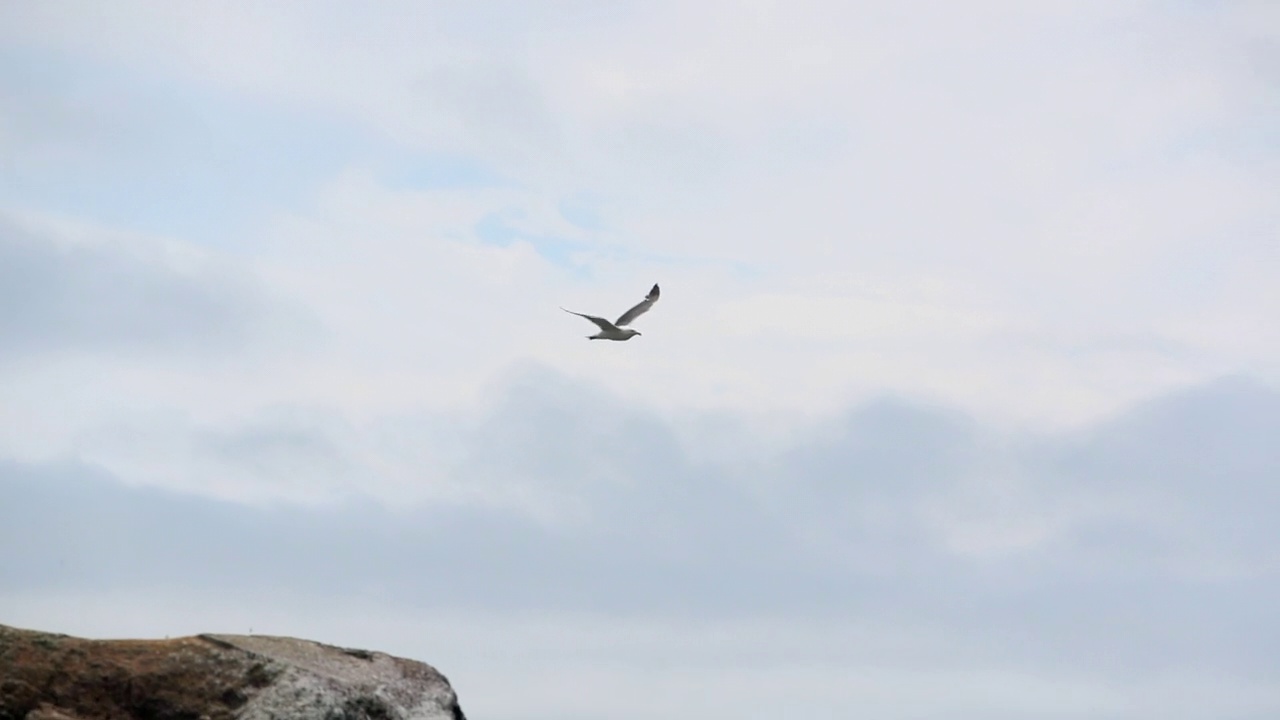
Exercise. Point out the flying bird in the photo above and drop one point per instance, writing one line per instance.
(615, 330)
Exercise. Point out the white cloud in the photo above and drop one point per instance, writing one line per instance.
(1029, 211)
(1037, 213)
(1045, 175)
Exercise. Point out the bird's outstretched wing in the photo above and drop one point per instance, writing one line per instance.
(641, 308)
(599, 321)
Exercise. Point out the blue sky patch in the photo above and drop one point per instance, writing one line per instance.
(582, 210)
(496, 229)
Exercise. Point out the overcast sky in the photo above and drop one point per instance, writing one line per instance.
(961, 401)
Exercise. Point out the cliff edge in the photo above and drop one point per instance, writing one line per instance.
(44, 676)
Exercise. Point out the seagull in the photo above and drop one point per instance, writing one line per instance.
(615, 330)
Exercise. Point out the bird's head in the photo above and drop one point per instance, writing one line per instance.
(632, 333)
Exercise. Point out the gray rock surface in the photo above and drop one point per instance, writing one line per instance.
(219, 677)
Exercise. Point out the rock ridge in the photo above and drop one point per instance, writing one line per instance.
(49, 676)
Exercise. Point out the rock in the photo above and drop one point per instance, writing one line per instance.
(212, 677)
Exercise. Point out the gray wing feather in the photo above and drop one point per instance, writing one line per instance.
(599, 321)
(641, 308)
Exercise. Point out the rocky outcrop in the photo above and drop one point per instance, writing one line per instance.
(215, 677)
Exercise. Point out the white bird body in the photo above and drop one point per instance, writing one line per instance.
(615, 330)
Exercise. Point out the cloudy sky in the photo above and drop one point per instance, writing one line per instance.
(961, 401)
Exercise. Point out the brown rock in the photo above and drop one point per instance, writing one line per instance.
(215, 677)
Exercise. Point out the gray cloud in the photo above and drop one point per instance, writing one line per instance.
(1033, 196)
(1189, 478)
(1151, 503)
(111, 296)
